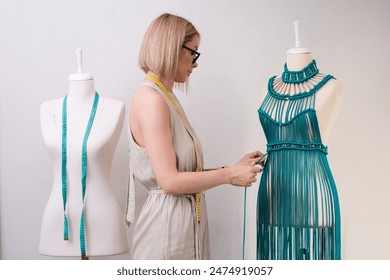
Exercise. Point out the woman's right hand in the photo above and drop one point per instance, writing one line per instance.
(244, 172)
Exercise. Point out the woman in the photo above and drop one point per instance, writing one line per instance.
(165, 153)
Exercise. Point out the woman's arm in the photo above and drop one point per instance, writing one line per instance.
(150, 117)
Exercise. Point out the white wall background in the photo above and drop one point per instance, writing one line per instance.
(244, 42)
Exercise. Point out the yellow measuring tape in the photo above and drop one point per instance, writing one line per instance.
(168, 95)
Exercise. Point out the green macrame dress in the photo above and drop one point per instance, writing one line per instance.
(298, 213)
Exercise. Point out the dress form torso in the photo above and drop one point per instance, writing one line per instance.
(105, 232)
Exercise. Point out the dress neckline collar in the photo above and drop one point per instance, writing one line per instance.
(295, 77)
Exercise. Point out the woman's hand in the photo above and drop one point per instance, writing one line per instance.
(244, 172)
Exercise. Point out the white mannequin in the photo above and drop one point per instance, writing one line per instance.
(105, 232)
(328, 97)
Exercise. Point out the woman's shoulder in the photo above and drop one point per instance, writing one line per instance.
(148, 96)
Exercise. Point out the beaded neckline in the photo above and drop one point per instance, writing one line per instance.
(300, 76)
(302, 94)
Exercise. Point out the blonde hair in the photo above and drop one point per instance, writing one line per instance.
(162, 42)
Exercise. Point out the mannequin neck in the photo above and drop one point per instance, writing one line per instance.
(296, 62)
(81, 90)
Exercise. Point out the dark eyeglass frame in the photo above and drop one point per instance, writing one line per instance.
(193, 52)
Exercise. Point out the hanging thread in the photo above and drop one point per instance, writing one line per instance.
(262, 163)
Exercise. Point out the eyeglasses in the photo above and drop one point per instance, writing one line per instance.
(194, 53)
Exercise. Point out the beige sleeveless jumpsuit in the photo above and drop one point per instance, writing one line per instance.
(167, 227)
